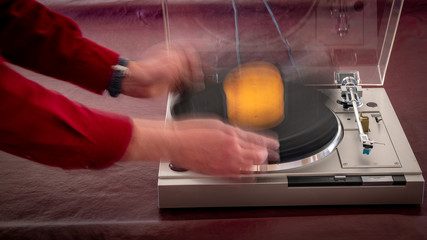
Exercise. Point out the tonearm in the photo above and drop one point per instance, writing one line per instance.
(351, 94)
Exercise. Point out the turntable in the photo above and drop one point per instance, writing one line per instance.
(341, 142)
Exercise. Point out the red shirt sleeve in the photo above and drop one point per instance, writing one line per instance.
(41, 40)
(42, 125)
(46, 127)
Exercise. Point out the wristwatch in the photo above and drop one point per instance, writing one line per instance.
(120, 71)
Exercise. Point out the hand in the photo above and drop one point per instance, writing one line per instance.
(162, 70)
(202, 145)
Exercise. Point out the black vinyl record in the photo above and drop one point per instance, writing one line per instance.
(308, 127)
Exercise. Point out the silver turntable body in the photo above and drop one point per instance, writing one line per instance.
(347, 175)
(365, 163)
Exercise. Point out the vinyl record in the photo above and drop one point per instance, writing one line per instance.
(308, 129)
(309, 126)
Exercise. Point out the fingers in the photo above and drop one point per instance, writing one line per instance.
(198, 75)
(245, 162)
(257, 139)
(170, 68)
(250, 143)
(257, 150)
(255, 156)
(202, 123)
(273, 156)
(189, 67)
(194, 64)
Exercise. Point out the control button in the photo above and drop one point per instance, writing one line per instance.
(340, 178)
(177, 168)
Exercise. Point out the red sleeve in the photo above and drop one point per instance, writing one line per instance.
(39, 39)
(46, 127)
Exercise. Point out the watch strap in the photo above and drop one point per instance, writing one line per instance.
(120, 71)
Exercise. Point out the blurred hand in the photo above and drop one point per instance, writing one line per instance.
(161, 71)
(202, 145)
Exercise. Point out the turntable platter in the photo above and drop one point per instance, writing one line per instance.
(309, 126)
(309, 132)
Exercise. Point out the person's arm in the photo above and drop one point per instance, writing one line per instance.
(41, 40)
(44, 126)
(44, 41)
(206, 146)
(48, 128)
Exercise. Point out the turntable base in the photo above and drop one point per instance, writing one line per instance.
(389, 175)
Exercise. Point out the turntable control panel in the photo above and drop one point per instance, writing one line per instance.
(320, 181)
